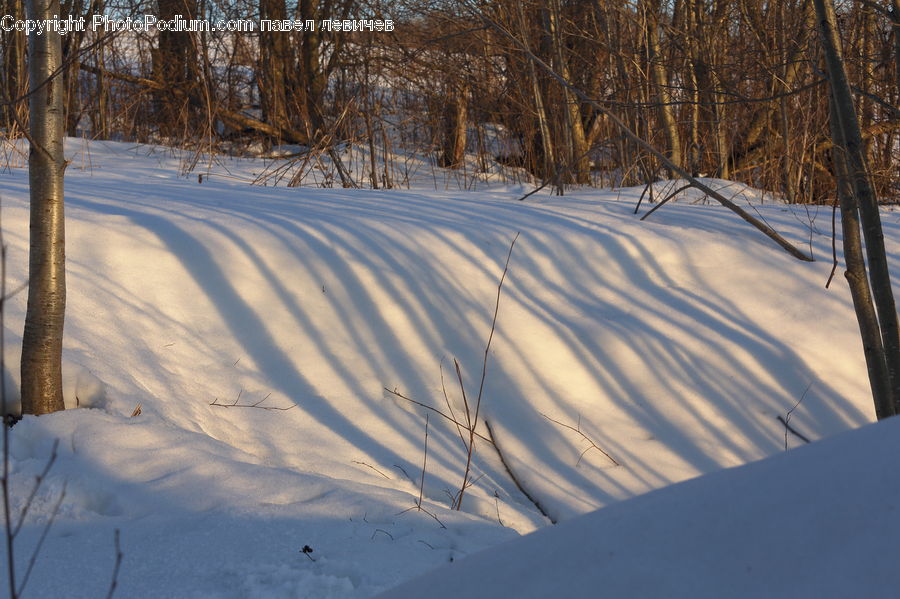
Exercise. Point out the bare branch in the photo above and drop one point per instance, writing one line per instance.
(578, 430)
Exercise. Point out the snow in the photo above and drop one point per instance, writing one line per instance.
(820, 521)
(673, 345)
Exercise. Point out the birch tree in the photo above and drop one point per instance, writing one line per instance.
(42, 339)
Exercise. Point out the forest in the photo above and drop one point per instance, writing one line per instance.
(733, 89)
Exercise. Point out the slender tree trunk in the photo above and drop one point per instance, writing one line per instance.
(850, 144)
(548, 163)
(895, 18)
(575, 138)
(754, 135)
(274, 58)
(660, 82)
(311, 88)
(71, 59)
(860, 292)
(13, 68)
(790, 193)
(42, 339)
(174, 67)
(454, 135)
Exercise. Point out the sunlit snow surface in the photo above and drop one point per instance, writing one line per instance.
(673, 344)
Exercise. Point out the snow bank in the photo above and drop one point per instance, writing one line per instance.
(673, 345)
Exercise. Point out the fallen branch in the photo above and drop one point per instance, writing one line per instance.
(514, 478)
(667, 198)
(231, 118)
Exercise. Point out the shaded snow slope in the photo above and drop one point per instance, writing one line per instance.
(672, 344)
(820, 521)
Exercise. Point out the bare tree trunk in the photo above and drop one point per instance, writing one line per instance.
(175, 67)
(850, 144)
(548, 165)
(660, 82)
(454, 135)
(314, 78)
(790, 193)
(42, 339)
(274, 58)
(647, 146)
(754, 134)
(860, 292)
(13, 67)
(575, 138)
(895, 18)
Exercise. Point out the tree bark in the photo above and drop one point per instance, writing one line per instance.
(174, 67)
(454, 135)
(850, 144)
(575, 139)
(857, 279)
(660, 82)
(545, 149)
(13, 68)
(895, 19)
(313, 78)
(43, 335)
(274, 59)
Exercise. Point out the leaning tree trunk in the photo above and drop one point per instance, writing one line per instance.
(857, 279)
(42, 339)
(850, 145)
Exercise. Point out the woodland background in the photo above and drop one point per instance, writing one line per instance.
(733, 89)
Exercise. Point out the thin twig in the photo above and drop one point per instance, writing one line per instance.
(487, 349)
(834, 254)
(792, 430)
(583, 436)
(381, 530)
(424, 511)
(450, 406)
(436, 411)
(787, 418)
(372, 467)
(256, 405)
(424, 465)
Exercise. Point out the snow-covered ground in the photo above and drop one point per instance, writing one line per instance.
(627, 356)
